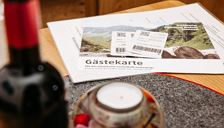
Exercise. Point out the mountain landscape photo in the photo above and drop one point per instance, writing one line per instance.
(190, 36)
(98, 39)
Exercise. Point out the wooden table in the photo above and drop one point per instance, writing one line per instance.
(50, 53)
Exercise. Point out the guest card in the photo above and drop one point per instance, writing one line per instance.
(119, 43)
(148, 44)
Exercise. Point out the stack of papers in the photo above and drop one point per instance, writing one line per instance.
(185, 39)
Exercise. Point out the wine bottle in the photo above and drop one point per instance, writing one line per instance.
(31, 91)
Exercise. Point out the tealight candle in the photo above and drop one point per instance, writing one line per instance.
(119, 96)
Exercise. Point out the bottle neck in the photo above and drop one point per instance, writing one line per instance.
(21, 21)
(28, 57)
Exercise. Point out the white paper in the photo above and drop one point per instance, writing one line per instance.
(148, 44)
(119, 43)
(86, 66)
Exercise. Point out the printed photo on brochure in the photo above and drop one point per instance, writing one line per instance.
(184, 41)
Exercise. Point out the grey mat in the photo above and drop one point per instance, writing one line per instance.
(185, 104)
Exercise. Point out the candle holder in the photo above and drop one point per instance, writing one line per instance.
(118, 105)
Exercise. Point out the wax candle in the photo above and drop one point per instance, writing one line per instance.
(119, 96)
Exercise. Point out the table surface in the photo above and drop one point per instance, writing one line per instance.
(50, 53)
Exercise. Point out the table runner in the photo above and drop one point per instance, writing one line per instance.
(185, 104)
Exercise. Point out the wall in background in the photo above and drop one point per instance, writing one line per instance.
(53, 10)
(108, 6)
(67, 9)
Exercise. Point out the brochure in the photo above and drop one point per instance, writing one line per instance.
(185, 39)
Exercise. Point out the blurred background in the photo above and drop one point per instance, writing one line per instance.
(1, 10)
(53, 10)
(66, 9)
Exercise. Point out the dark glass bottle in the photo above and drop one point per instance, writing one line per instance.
(31, 91)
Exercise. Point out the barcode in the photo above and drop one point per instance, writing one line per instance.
(121, 34)
(120, 50)
(144, 33)
(147, 49)
(132, 35)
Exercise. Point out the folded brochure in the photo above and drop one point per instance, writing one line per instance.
(185, 39)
